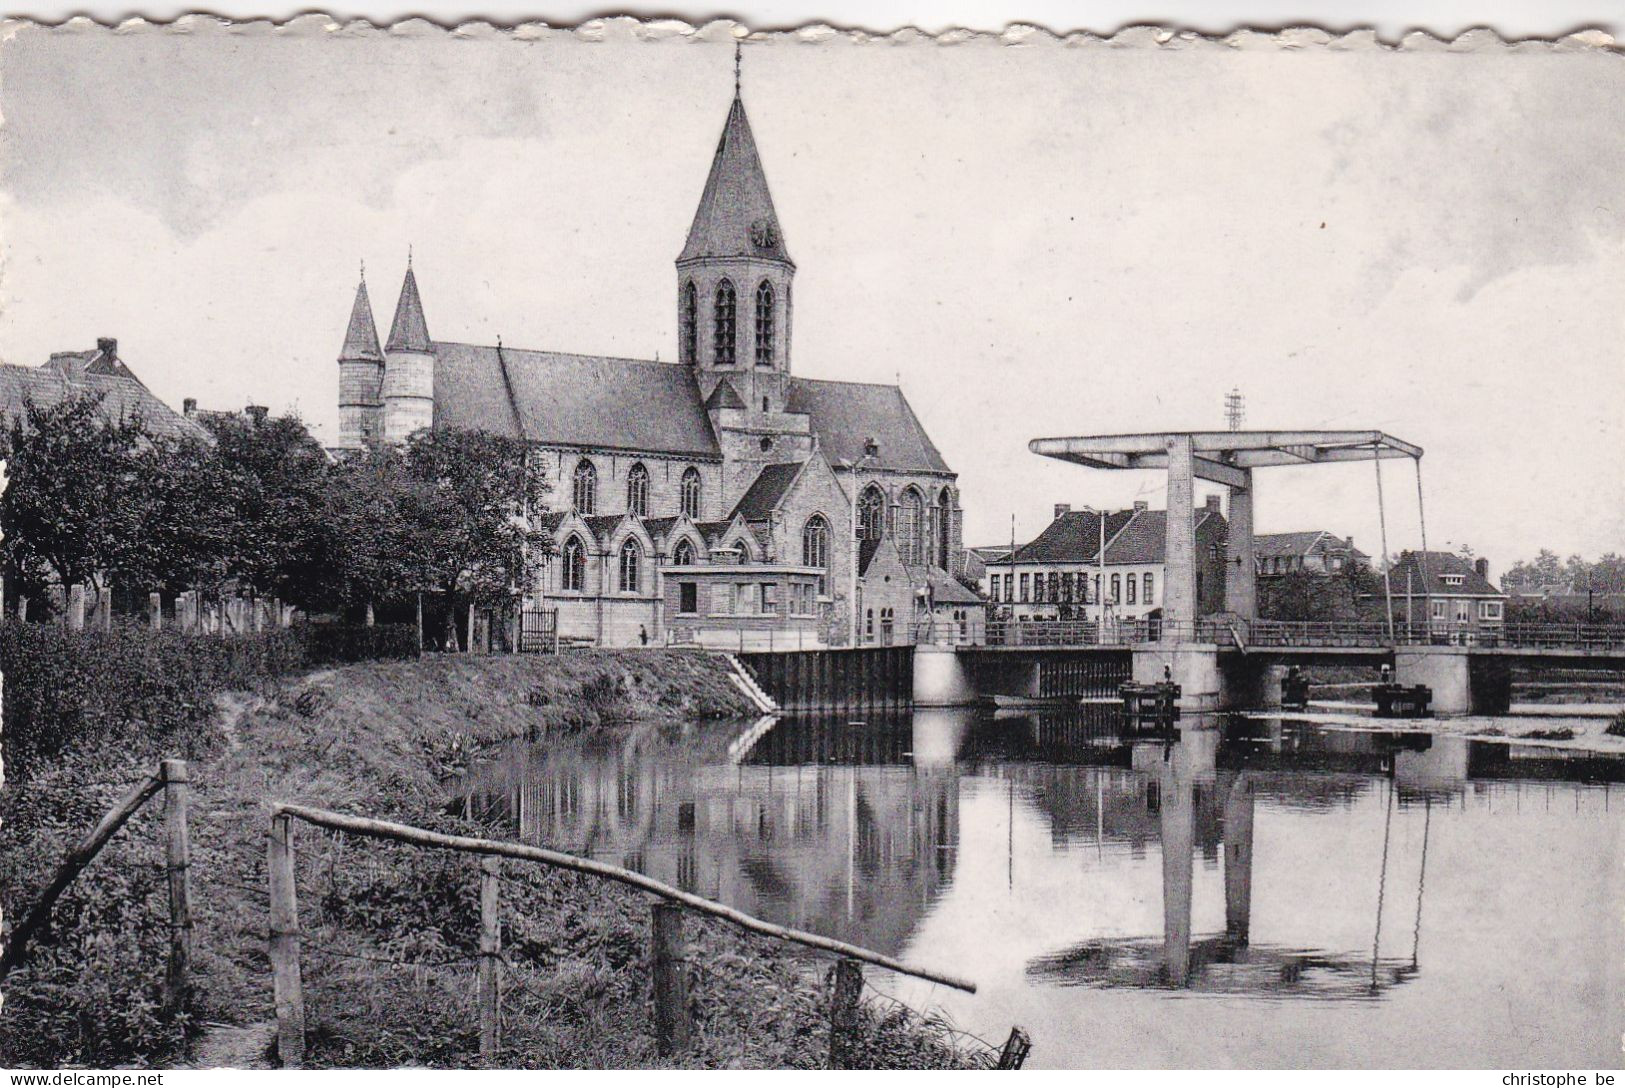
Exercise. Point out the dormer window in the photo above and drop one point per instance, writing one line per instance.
(1453, 579)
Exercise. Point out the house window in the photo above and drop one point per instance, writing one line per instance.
(1054, 587)
(1038, 588)
(631, 556)
(869, 624)
(888, 619)
(722, 327)
(764, 324)
(1438, 610)
(871, 514)
(1097, 588)
(1453, 579)
(690, 493)
(1024, 588)
(637, 491)
(574, 567)
(747, 598)
(1461, 611)
(1117, 588)
(584, 487)
(690, 321)
(1132, 583)
(722, 602)
(688, 598)
(1489, 610)
(1150, 595)
(683, 554)
(770, 598)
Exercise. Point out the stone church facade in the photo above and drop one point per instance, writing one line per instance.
(706, 500)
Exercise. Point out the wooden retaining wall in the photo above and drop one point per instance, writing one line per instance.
(869, 679)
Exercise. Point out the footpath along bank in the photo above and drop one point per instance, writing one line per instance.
(391, 932)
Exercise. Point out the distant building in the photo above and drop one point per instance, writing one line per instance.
(1058, 574)
(97, 372)
(1452, 595)
(1315, 551)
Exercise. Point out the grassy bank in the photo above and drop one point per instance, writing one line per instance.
(391, 932)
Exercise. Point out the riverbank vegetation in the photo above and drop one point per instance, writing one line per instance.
(390, 932)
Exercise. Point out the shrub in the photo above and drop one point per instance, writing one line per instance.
(1616, 728)
(65, 688)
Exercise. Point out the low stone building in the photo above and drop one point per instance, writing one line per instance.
(1315, 552)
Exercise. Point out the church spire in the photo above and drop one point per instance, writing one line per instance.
(736, 217)
(409, 332)
(361, 338)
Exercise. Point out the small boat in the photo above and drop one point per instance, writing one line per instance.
(1023, 702)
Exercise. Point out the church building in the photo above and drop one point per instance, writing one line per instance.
(705, 500)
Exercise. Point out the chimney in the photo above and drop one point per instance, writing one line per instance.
(107, 346)
(1482, 566)
(257, 412)
(1062, 508)
(1140, 507)
(189, 407)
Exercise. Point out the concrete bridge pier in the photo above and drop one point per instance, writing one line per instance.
(1194, 666)
(1462, 682)
(941, 677)
(1238, 857)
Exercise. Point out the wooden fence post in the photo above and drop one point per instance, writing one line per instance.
(490, 951)
(1015, 1049)
(177, 988)
(843, 1013)
(670, 978)
(155, 610)
(288, 991)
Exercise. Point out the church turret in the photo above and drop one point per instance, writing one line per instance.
(408, 388)
(734, 275)
(361, 374)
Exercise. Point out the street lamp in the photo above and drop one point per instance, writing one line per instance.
(871, 452)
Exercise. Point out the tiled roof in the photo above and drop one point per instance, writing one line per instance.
(659, 528)
(122, 397)
(551, 520)
(764, 493)
(1270, 545)
(361, 338)
(713, 530)
(735, 217)
(572, 400)
(1439, 564)
(845, 414)
(1132, 536)
(602, 525)
(867, 549)
(409, 331)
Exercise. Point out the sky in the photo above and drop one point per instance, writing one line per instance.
(1035, 240)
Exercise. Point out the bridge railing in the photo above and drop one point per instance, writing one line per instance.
(1332, 634)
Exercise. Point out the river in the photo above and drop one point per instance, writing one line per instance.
(1237, 891)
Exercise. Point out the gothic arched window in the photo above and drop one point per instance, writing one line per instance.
(584, 487)
(690, 491)
(945, 528)
(574, 574)
(637, 491)
(631, 560)
(722, 329)
(871, 514)
(911, 526)
(764, 324)
(683, 554)
(815, 546)
(689, 319)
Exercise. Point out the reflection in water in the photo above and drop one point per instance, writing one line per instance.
(915, 836)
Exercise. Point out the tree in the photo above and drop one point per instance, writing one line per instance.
(285, 542)
(77, 500)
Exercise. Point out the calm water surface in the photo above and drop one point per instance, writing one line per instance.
(1237, 893)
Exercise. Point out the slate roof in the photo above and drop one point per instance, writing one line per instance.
(1132, 536)
(409, 331)
(552, 520)
(361, 337)
(660, 527)
(764, 493)
(572, 400)
(724, 395)
(69, 374)
(845, 414)
(945, 589)
(735, 217)
(602, 525)
(1438, 565)
(867, 548)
